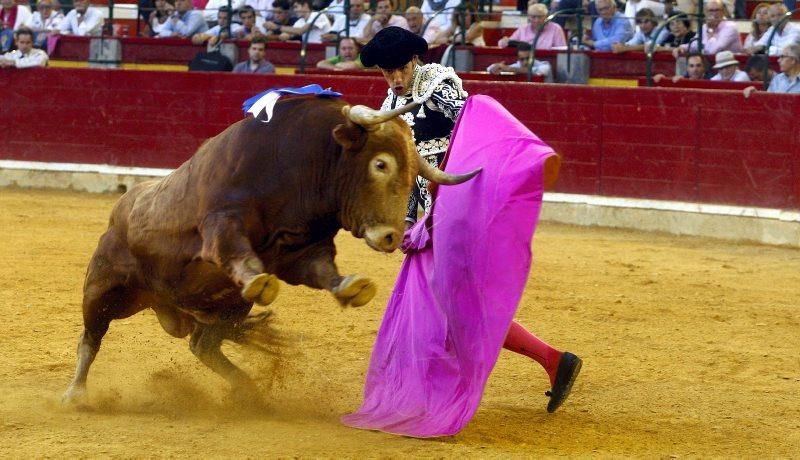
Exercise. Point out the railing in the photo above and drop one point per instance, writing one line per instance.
(304, 45)
(786, 18)
(578, 13)
(450, 51)
(649, 51)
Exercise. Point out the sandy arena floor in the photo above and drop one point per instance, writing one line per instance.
(691, 348)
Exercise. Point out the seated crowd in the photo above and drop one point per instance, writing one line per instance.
(612, 26)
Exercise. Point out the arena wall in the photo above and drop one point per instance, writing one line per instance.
(646, 146)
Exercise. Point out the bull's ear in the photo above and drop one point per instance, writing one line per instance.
(348, 134)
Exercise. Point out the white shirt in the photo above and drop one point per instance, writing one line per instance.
(336, 10)
(92, 23)
(356, 28)
(790, 34)
(35, 58)
(213, 6)
(24, 16)
(214, 31)
(442, 21)
(263, 7)
(631, 8)
(51, 24)
(321, 26)
(739, 75)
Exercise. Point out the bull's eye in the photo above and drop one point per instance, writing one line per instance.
(383, 167)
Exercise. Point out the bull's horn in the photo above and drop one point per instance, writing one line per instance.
(365, 116)
(438, 176)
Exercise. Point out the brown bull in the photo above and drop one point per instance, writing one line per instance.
(257, 203)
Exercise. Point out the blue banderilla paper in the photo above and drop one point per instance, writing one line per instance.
(266, 100)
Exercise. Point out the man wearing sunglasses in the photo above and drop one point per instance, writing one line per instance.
(788, 81)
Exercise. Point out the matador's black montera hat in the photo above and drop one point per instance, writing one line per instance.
(392, 47)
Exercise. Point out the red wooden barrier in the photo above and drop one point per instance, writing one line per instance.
(145, 50)
(661, 143)
(702, 84)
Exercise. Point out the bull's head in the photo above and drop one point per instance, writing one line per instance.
(384, 163)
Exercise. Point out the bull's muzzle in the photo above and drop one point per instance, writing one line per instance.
(383, 238)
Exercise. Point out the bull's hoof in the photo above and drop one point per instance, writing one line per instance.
(261, 289)
(355, 290)
(74, 396)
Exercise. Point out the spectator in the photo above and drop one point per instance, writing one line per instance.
(358, 21)
(222, 31)
(263, 9)
(788, 81)
(347, 59)
(759, 25)
(185, 22)
(728, 68)
(442, 20)
(336, 10)
(785, 34)
(611, 27)
(697, 68)
(158, 20)
(281, 16)
(680, 33)
(466, 19)
(45, 21)
(541, 68)
(13, 17)
(25, 55)
(718, 34)
(256, 62)
(632, 8)
(382, 19)
(647, 22)
(416, 22)
(303, 24)
(82, 20)
(248, 29)
(213, 7)
(552, 35)
(755, 65)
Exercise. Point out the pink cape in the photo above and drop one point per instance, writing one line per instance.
(461, 281)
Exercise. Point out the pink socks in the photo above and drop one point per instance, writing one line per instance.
(519, 340)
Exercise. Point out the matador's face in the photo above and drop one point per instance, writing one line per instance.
(399, 79)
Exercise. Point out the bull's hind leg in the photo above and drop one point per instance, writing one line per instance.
(97, 305)
(225, 244)
(205, 344)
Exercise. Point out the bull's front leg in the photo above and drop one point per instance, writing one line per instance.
(225, 243)
(313, 266)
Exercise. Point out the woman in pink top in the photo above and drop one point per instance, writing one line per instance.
(552, 34)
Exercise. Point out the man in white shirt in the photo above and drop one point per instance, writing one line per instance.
(219, 31)
(416, 22)
(303, 10)
(442, 20)
(728, 68)
(212, 8)
(25, 55)
(82, 20)
(786, 34)
(382, 19)
(358, 20)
